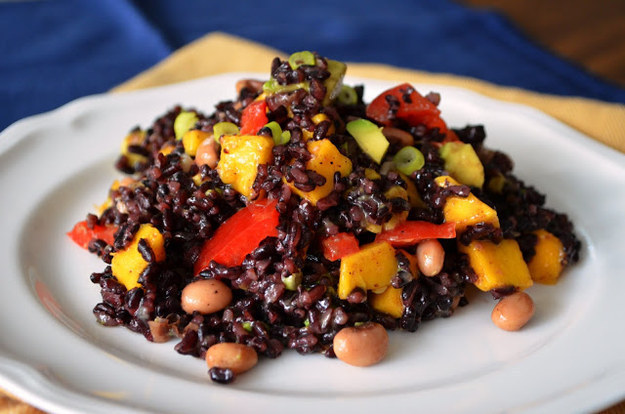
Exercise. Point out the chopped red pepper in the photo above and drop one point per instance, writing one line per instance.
(81, 234)
(339, 245)
(240, 235)
(410, 233)
(254, 117)
(410, 107)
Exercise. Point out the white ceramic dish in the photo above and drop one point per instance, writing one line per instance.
(55, 167)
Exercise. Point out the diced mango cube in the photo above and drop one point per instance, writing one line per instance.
(412, 259)
(395, 191)
(240, 157)
(546, 265)
(388, 302)
(128, 264)
(167, 148)
(466, 211)
(372, 174)
(326, 160)
(413, 195)
(497, 265)
(371, 268)
(192, 139)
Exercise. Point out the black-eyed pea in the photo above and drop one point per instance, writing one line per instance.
(227, 355)
(205, 296)
(206, 153)
(430, 257)
(398, 136)
(513, 311)
(361, 345)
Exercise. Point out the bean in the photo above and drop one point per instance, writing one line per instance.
(205, 296)
(227, 355)
(207, 153)
(252, 84)
(398, 136)
(513, 311)
(362, 345)
(430, 257)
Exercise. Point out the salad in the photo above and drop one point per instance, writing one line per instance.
(299, 216)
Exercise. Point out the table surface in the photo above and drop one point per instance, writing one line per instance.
(591, 36)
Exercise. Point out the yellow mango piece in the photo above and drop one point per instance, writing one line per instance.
(466, 211)
(372, 174)
(497, 265)
(167, 148)
(414, 198)
(126, 182)
(546, 265)
(371, 268)
(319, 118)
(192, 139)
(197, 179)
(240, 157)
(413, 262)
(393, 192)
(135, 137)
(326, 160)
(388, 302)
(128, 264)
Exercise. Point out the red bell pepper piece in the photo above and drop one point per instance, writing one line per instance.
(240, 235)
(410, 233)
(254, 117)
(81, 234)
(339, 245)
(413, 108)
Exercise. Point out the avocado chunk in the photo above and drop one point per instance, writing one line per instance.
(462, 163)
(369, 137)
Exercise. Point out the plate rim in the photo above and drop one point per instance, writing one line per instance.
(19, 130)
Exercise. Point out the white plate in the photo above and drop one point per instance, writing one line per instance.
(55, 167)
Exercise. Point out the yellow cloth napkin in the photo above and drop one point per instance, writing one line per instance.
(220, 53)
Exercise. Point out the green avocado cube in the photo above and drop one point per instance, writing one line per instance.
(462, 163)
(369, 137)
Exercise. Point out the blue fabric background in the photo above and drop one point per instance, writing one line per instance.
(52, 52)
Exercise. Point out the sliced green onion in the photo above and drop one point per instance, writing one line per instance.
(285, 137)
(184, 122)
(276, 130)
(293, 281)
(306, 322)
(347, 95)
(298, 59)
(247, 325)
(408, 160)
(280, 137)
(272, 86)
(224, 128)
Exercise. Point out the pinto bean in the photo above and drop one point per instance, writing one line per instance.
(430, 257)
(252, 84)
(207, 153)
(513, 311)
(398, 136)
(205, 296)
(227, 355)
(362, 345)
